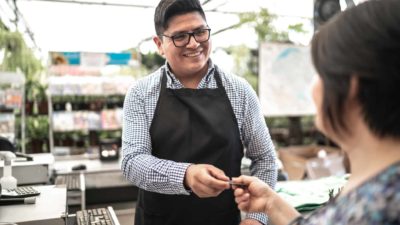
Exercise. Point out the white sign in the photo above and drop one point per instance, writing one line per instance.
(285, 78)
(91, 59)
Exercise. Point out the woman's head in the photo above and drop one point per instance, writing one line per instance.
(360, 46)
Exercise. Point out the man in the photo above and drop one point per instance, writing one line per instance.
(185, 126)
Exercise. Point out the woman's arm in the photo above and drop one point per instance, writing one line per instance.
(257, 196)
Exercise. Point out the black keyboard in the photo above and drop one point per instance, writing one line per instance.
(98, 216)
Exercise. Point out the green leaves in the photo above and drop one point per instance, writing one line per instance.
(262, 23)
(16, 55)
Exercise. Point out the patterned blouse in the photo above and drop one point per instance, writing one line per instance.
(375, 202)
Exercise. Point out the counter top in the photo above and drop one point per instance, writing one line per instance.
(49, 208)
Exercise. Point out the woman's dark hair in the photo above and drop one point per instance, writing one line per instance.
(362, 41)
(169, 8)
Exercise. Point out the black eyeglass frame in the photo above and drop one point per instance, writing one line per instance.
(191, 34)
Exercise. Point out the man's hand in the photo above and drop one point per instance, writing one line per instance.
(250, 222)
(206, 180)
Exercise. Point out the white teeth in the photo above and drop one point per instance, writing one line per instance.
(193, 54)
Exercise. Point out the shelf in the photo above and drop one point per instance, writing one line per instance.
(12, 99)
(4, 109)
(87, 104)
(66, 121)
(89, 85)
(93, 154)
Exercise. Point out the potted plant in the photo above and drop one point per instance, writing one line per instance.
(37, 134)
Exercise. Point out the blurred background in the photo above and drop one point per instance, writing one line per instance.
(66, 65)
(55, 43)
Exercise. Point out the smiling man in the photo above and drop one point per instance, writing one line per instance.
(186, 127)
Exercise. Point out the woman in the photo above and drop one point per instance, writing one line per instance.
(357, 57)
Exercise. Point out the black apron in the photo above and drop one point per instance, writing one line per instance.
(195, 126)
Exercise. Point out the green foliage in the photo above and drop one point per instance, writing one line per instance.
(297, 27)
(37, 127)
(262, 23)
(244, 64)
(110, 134)
(35, 91)
(17, 56)
(152, 60)
(277, 122)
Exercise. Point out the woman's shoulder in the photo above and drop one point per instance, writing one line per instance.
(379, 192)
(386, 184)
(374, 202)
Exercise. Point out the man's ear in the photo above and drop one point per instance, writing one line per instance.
(158, 42)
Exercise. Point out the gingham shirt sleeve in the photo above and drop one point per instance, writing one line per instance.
(259, 147)
(256, 139)
(138, 165)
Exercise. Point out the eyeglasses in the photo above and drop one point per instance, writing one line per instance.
(182, 39)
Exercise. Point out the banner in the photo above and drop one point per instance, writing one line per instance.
(90, 59)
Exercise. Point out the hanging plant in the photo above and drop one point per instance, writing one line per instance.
(15, 56)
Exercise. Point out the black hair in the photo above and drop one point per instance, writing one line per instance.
(169, 8)
(362, 41)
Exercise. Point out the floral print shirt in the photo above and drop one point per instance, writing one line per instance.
(375, 202)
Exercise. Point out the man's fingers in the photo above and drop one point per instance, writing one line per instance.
(203, 190)
(218, 174)
(206, 180)
(216, 179)
(208, 193)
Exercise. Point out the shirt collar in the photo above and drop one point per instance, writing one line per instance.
(172, 80)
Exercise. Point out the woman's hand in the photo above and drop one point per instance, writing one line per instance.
(257, 196)
(254, 196)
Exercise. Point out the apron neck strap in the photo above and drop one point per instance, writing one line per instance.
(164, 78)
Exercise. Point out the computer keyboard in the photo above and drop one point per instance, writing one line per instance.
(19, 192)
(98, 216)
(72, 181)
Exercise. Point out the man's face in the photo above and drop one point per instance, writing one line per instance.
(191, 59)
